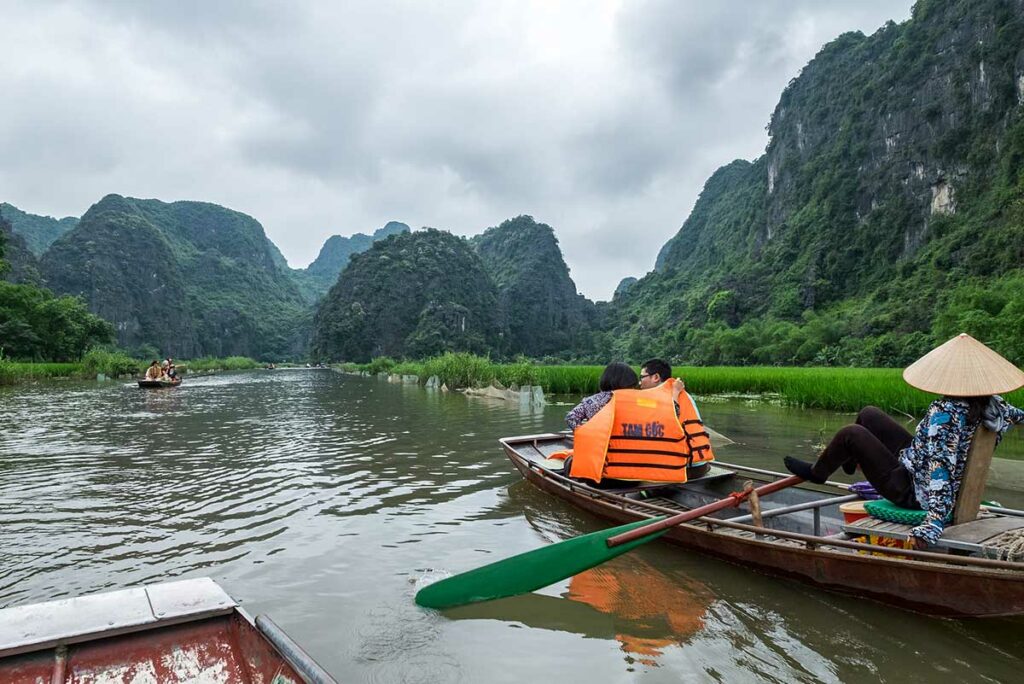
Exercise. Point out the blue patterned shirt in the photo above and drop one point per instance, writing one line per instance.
(937, 456)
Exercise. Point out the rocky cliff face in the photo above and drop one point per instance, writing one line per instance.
(412, 294)
(189, 278)
(538, 305)
(39, 232)
(893, 158)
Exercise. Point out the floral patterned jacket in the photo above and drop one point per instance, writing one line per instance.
(938, 454)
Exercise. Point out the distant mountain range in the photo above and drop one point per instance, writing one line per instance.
(182, 278)
(505, 292)
(317, 278)
(193, 279)
(38, 232)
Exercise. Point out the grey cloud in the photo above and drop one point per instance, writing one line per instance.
(601, 119)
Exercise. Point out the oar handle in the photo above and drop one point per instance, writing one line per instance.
(734, 499)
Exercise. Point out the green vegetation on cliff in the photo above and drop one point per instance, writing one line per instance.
(412, 294)
(538, 306)
(885, 216)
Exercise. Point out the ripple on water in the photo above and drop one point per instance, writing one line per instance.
(329, 501)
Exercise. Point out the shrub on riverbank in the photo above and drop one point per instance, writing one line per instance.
(112, 363)
(458, 369)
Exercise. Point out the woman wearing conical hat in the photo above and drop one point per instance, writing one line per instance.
(923, 470)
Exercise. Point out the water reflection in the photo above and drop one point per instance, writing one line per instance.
(628, 600)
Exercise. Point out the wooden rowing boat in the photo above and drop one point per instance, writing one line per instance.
(802, 535)
(183, 631)
(157, 384)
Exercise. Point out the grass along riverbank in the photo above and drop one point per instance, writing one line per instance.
(113, 364)
(837, 389)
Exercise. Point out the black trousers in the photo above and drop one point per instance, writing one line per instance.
(873, 443)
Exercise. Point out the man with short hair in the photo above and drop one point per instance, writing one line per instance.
(653, 373)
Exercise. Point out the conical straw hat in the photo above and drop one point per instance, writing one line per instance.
(963, 367)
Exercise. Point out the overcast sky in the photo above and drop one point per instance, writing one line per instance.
(602, 119)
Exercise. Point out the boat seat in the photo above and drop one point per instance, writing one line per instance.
(973, 536)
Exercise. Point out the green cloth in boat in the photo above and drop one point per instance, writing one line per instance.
(887, 510)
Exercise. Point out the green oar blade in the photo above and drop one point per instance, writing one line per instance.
(532, 570)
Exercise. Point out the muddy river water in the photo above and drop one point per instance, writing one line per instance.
(327, 500)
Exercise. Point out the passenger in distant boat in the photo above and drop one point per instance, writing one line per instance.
(172, 371)
(616, 375)
(924, 470)
(153, 372)
(653, 373)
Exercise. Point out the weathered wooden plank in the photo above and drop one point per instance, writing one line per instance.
(977, 531)
(972, 485)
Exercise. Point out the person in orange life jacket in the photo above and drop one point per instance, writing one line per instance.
(638, 436)
(618, 375)
(628, 455)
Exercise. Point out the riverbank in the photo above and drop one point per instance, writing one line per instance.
(836, 389)
(101, 363)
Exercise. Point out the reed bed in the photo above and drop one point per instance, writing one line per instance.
(837, 389)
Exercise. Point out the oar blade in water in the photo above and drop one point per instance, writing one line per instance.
(531, 570)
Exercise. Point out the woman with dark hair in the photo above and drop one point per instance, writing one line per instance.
(924, 470)
(616, 375)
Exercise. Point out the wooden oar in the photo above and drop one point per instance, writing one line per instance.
(535, 569)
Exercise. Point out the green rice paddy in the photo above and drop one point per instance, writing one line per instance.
(837, 389)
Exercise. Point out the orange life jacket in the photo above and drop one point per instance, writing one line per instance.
(637, 436)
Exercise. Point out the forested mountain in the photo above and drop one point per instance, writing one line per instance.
(886, 214)
(334, 256)
(412, 294)
(538, 305)
(186, 278)
(39, 232)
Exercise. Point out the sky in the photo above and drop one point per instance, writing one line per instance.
(602, 119)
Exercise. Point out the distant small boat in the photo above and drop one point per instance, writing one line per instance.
(183, 631)
(155, 384)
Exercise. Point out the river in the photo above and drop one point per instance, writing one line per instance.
(327, 500)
